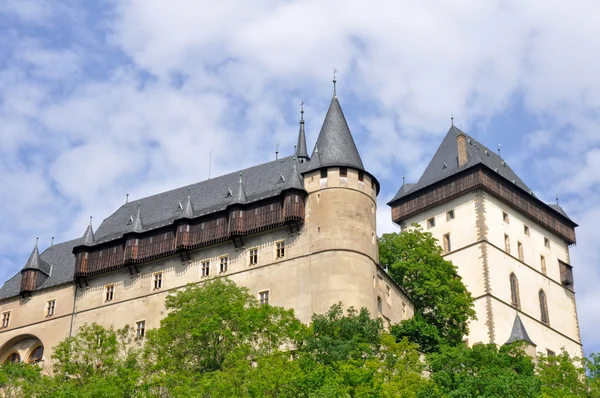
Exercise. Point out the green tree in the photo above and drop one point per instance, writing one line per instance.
(415, 262)
(211, 327)
(593, 374)
(562, 376)
(97, 362)
(20, 380)
(482, 371)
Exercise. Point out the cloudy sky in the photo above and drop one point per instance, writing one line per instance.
(99, 99)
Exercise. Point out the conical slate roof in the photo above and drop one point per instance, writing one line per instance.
(518, 332)
(301, 151)
(135, 222)
(335, 142)
(88, 237)
(188, 210)
(35, 263)
(240, 197)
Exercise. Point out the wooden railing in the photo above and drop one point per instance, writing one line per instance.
(28, 280)
(489, 181)
(190, 234)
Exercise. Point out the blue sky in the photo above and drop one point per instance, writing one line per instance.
(99, 99)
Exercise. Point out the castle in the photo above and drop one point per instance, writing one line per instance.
(300, 232)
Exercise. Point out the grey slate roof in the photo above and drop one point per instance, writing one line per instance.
(88, 237)
(335, 144)
(445, 163)
(61, 262)
(301, 151)
(206, 197)
(559, 209)
(518, 332)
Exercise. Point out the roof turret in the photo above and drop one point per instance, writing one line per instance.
(301, 151)
(88, 237)
(188, 211)
(240, 198)
(135, 222)
(35, 263)
(518, 332)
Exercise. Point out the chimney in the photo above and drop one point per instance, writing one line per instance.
(461, 140)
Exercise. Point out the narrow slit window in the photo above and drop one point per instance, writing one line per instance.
(506, 243)
(520, 251)
(361, 176)
(323, 173)
(505, 218)
(547, 242)
(431, 222)
(5, 319)
(526, 230)
(543, 308)
(109, 293)
(543, 264)
(343, 172)
(514, 291)
(447, 244)
(450, 215)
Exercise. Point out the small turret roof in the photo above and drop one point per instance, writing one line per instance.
(301, 151)
(88, 237)
(518, 332)
(188, 211)
(240, 197)
(35, 263)
(335, 144)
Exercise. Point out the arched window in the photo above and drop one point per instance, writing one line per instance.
(36, 354)
(514, 291)
(544, 307)
(13, 358)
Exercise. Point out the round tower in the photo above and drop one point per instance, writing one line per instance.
(340, 222)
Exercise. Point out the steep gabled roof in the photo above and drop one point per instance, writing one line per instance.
(335, 144)
(518, 332)
(36, 263)
(445, 163)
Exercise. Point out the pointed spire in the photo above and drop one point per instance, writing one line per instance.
(241, 193)
(34, 258)
(138, 226)
(518, 332)
(301, 152)
(189, 208)
(335, 142)
(88, 237)
(294, 181)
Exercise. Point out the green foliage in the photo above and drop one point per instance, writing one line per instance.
(20, 380)
(562, 376)
(593, 374)
(482, 371)
(415, 262)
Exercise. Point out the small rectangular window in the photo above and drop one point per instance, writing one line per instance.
(5, 319)
(506, 243)
(140, 329)
(431, 223)
(547, 242)
(253, 256)
(157, 280)
(343, 172)
(526, 230)
(379, 304)
(50, 307)
(361, 176)
(323, 173)
(450, 215)
(520, 251)
(505, 217)
(263, 297)
(205, 267)
(109, 292)
(224, 262)
(280, 249)
(550, 353)
(543, 264)
(447, 246)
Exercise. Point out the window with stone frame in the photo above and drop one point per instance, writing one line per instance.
(109, 293)
(280, 249)
(447, 243)
(506, 243)
(431, 222)
(514, 291)
(343, 172)
(520, 251)
(526, 230)
(13, 358)
(140, 329)
(5, 319)
(543, 308)
(50, 307)
(157, 281)
(505, 217)
(36, 354)
(543, 264)
(450, 215)
(253, 256)
(263, 297)
(547, 242)
(223, 264)
(205, 268)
